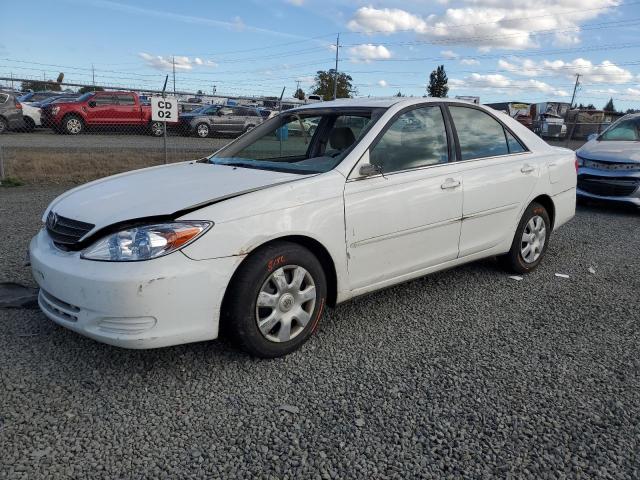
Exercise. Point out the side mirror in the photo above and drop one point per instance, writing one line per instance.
(593, 136)
(368, 169)
(92, 103)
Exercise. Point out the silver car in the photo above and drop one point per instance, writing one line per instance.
(223, 120)
(609, 163)
(10, 112)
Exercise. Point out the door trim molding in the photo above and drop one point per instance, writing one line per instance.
(491, 211)
(402, 233)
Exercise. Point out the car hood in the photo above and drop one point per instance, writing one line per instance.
(611, 151)
(161, 191)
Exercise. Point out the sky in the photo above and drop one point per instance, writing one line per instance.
(499, 50)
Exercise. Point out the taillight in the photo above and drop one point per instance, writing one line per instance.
(577, 166)
(18, 105)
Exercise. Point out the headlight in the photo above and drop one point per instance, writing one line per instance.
(145, 242)
(579, 161)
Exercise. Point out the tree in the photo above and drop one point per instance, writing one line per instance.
(299, 94)
(90, 89)
(399, 94)
(609, 107)
(199, 92)
(324, 82)
(40, 85)
(438, 83)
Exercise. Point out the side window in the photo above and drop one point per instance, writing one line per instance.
(514, 145)
(479, 134)
(104, 100)
(226, 111)
(417, 138)
(3, 98)
(126, 100)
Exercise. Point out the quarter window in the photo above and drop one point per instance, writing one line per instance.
(479, 134)
(514, 145)
(3, 98)
(417, 138)
(126, 100)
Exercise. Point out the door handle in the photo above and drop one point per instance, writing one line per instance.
(526, 168)
(450, 183)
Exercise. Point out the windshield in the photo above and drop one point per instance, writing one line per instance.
(625, 130)
(305, 142)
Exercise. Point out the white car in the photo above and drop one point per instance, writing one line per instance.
(260, 237)
(31, 116)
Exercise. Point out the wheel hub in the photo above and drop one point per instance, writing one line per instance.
(286, 302)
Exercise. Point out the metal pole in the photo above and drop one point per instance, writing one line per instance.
(93, 77)
(173, 61)
(1, 165)
(164, 134)
(575, 88)
(335, 81)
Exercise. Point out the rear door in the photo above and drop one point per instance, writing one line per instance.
(498, 174)
(407, 219)
(223, 120)
(127, 111)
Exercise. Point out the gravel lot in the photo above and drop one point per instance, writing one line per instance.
(463, 374)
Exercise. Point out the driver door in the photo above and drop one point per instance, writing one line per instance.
(408, 218)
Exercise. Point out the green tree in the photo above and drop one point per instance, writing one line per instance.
(399, 94)
(40, 85)
(324, 82)
(90, 88)
(299, 94)
(438, 83)
(609, 107)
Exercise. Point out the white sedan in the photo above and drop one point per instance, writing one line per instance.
(260, 237)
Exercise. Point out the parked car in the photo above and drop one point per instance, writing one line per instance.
(64, 97)
(547, 119)
(186, 118)
(226, 120)
(261, 236)
(104, 109)
(31, 97)
(609, 163)
(10, 112)
(31, 116)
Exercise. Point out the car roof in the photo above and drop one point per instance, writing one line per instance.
(379, 102)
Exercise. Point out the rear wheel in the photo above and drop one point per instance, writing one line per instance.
(4, 126)
(203, 130)
(275, 300)
(157, 129)
(530, 241)
(72, 125)
(29, 124)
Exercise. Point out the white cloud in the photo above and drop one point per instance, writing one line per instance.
(449, 54)
(383, 83)
(486, 24)
(469, 61)
(503, 84)
(633, 92)
(604, 72)
(297, 3)
(368, 52)
(181, 63)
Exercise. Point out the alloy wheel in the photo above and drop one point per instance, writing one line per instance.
(285, 303)
(202, 130)
(74, 126)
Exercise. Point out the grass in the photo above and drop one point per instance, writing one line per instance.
(47, 166)
(11, 182)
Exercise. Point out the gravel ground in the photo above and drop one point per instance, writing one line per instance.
(463, 374)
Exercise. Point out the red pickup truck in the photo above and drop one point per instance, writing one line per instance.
(104, 109)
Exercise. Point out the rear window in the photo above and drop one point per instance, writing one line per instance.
(126, 100)
(3, 97)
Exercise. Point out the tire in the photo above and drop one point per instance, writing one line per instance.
(156, 129)
(267, 311)
(29, 124)
(203, 130)
(533, 231)
(72, 125)
(4, 126)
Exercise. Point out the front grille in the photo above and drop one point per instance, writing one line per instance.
(597, 164)
(66, 232)
(608, 187)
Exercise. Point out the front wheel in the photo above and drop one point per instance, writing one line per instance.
(72, 125)
(530, 241)
(275, 300)
(203, 130)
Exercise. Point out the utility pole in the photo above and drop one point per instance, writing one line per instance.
(173, 62)
(575, 89)
(93, 77)
(297, 87)
(11, 80)
(335, 81)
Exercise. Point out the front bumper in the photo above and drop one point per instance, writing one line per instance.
(609, 185)
(166, 301)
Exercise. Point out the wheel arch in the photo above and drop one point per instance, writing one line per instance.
(318, 249)
(547, 202)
